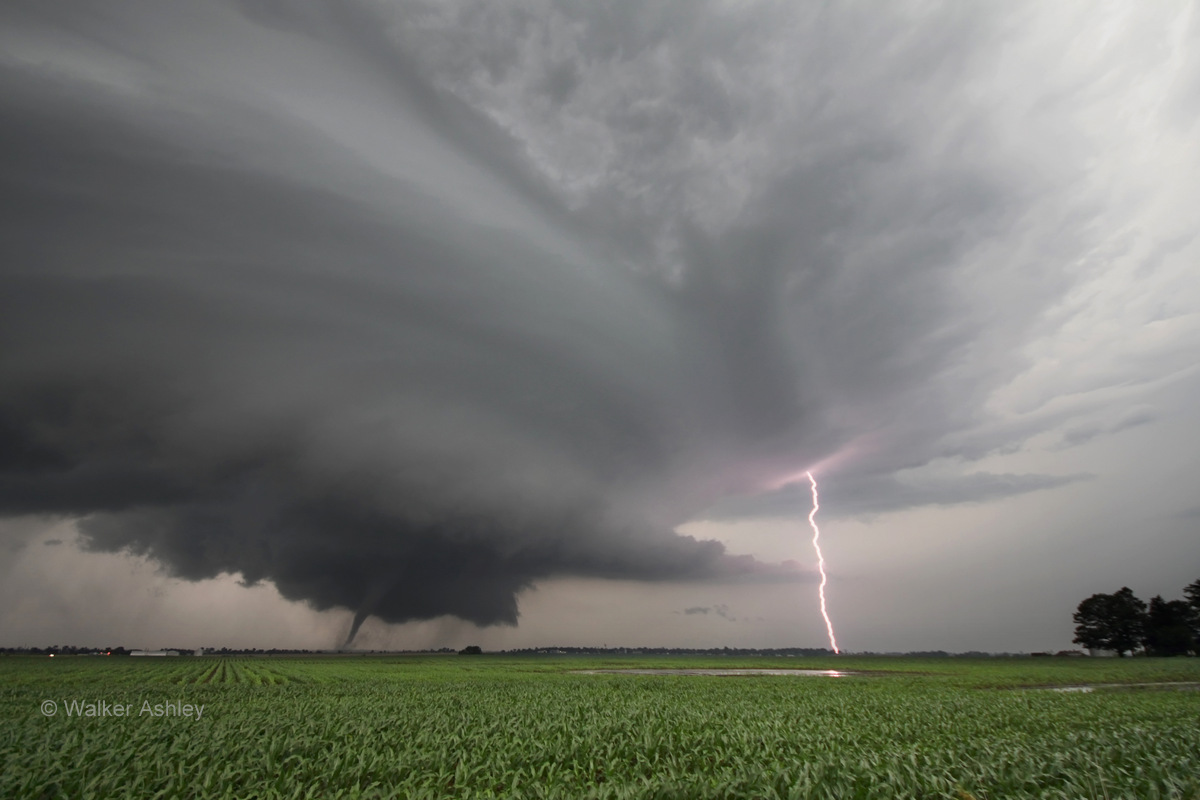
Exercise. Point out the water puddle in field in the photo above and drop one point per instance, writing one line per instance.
(1088, 688)
(722, 673)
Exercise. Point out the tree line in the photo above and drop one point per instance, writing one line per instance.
(1122, 623)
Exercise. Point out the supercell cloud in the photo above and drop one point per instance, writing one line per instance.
(403, 307)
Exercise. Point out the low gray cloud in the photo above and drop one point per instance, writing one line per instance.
(877, 494)
(1084, 431)
(1134, 417)
(1190, 513)
(719, 610)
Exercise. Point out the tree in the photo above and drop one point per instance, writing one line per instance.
(1168, 632)
(471, 650)
(1114, 622)
(1192, 593)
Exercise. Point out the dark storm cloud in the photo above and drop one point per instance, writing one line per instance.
(719, 610)
(235, 348)
(404, 308)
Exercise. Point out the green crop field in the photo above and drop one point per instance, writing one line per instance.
(462, 726)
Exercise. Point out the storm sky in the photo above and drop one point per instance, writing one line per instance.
(520, 323)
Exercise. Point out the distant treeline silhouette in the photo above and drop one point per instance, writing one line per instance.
(1122, 623)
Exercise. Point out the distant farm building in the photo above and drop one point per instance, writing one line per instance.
(1096, 652)
(154, 652)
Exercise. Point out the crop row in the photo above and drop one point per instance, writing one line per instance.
(367, 728)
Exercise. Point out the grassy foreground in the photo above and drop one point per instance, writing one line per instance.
(460, 726)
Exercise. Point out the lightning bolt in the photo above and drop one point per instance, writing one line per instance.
(812, 520)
